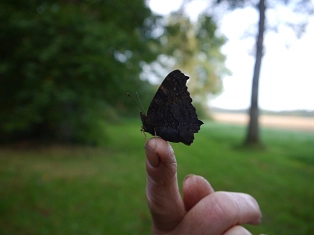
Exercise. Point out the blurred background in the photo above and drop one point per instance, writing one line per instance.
(71, 151)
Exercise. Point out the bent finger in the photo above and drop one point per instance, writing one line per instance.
(195, 188)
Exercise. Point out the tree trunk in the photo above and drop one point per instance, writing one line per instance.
(252, 136)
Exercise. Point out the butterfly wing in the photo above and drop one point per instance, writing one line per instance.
(171, 114)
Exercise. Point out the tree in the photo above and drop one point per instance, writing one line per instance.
(301, 6)
(66, 66)
(194, 47)
(252, 136)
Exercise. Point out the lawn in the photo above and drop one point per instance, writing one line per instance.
(101, 190)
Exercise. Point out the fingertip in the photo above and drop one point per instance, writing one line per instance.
(259, 214)
(198, 183)
(250, 202)
(195, 188)
(159, 150)
(237, 230)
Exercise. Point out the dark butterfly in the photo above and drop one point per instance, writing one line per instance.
(171, 114)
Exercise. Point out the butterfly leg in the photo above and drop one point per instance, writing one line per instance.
(155, 137)
(143, 133)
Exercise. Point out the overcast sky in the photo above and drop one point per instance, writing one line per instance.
(287, 73)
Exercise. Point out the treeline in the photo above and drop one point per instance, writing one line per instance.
(66, 66)
(301, 113)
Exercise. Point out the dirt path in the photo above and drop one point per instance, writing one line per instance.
(285, 122)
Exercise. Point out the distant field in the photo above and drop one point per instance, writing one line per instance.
(282, 122)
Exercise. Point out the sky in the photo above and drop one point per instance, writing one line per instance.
(287, 72)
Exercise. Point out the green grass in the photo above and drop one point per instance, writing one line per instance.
(101, 190)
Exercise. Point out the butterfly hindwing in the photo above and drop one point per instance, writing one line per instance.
(171, 114)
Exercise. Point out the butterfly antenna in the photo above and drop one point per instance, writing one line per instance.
(140, 105)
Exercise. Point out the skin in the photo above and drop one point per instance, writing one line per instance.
(201, 210)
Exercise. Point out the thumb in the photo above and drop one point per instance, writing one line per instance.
(162, 190)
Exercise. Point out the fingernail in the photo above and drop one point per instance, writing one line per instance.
(152, 156)
(188, 176)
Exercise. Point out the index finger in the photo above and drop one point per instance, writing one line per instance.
(162, 190)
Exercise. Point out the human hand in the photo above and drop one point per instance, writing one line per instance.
(202, 210)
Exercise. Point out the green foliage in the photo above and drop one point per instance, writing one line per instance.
(64, 65)
(196, 50)
(89, 190)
